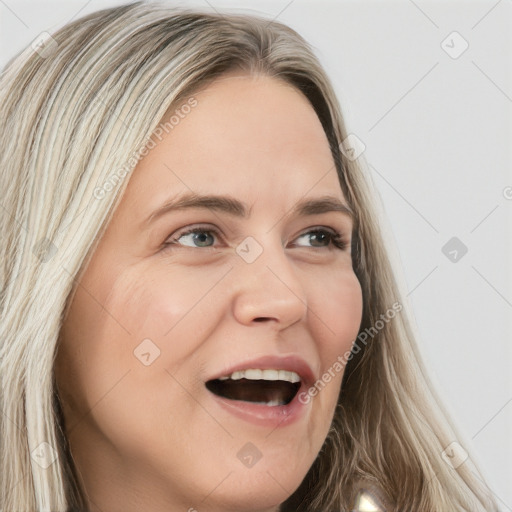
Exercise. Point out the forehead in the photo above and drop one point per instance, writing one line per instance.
(254, 137)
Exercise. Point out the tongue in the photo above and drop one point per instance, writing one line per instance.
(254, 390)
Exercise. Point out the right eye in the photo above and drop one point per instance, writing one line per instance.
(194, 235)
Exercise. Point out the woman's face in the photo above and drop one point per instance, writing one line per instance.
(160, 318)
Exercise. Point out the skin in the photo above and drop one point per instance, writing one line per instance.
(150, 437)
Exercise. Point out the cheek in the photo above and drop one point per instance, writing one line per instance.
(119, 343)
(336, 313)
(338, 306)
(141, 316)
(175, 309)
(95, 347)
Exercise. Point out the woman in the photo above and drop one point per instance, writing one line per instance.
(146, 366)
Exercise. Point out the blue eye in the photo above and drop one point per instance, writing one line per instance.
(327, 238)
(198, 236)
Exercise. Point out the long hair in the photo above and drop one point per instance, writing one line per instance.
(74, 110)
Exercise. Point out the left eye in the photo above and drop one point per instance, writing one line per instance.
(326, 238)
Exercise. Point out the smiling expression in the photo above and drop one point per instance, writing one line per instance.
(265, 283)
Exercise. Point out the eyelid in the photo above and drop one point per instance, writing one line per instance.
(190, 229)
(340, 240)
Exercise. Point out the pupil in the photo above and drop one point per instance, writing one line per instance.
(319, 236)
(201, 236)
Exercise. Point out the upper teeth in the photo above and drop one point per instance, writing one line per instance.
(256, 374)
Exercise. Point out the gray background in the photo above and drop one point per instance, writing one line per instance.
(437, 131)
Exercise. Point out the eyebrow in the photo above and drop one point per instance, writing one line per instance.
(232, 206)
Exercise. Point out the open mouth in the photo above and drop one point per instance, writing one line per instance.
(267, 387)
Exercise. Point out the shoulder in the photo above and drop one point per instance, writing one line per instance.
(369, 498)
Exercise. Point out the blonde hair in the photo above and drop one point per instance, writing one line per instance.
(72, 112)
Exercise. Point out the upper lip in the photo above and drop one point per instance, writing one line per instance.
(290, 363)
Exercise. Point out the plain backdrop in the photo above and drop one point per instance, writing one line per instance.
(427, 87)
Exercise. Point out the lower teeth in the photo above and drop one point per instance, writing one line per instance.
(272, 403)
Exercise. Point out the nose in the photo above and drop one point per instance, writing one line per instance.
(269, 289)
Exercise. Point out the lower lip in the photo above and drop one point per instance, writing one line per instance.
(264, 415)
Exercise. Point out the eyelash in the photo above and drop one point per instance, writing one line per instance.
(336, 239)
